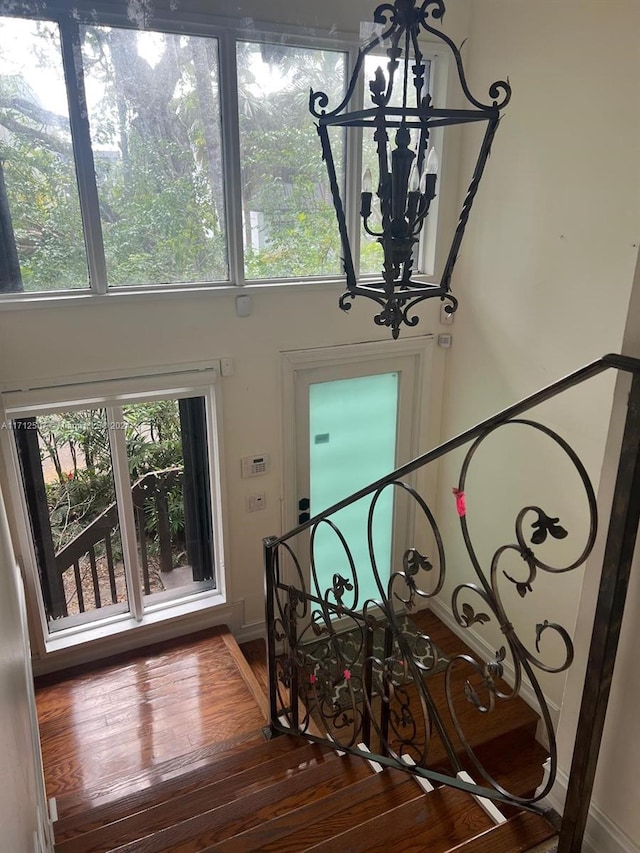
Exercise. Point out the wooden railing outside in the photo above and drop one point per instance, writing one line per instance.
(155, 485)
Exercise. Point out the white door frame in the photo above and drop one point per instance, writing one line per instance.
(295, 361)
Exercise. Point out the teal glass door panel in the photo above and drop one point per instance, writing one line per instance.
(353, 434)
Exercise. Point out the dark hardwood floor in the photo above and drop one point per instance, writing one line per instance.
(124, 717)
(114, 726)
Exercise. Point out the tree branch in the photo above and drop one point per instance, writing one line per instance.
(36, 136)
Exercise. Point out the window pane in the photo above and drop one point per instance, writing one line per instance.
(289, 223)
(40, 227)
(68, 477)
(168, 464)
(154, 111)
(371, 259)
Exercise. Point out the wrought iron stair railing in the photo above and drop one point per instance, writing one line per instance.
(344, 671)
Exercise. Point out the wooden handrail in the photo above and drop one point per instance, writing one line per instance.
(107, 520)
(154, 484)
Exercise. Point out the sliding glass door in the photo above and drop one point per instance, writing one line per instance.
(118, 499)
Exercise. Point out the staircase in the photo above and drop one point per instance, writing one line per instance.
(286, 794)
(297, 791)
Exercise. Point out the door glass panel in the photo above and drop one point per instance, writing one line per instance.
(66, 465)
(168, 465)
(352, 431)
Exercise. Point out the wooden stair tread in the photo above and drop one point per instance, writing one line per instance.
(188, 801)
(323, 818)
(243, 793)
(139, 790)
(232, 818)
(132, 785)
(443, 817)
(515, 764)
(512, 716)
(517, 835)
(89, 722)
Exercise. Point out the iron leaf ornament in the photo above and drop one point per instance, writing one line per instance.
(543, 526)
(470, 617)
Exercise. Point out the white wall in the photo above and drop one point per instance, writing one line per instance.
(546, 269)
(20, 785)
(545, 279)
(130, 334)
(614, 798)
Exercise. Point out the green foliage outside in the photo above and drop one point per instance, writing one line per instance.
(284, 177)
(80, 487)
(154, 113)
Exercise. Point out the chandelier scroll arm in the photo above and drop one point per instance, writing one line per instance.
(327, 156)
(438, 12)
(321, 99)
(365, 223)
(348, 294)
(494, 90)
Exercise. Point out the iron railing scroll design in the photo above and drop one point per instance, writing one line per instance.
(346, 670)
(524, 660)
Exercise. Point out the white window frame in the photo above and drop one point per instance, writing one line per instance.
(70, 16)
(112, 393)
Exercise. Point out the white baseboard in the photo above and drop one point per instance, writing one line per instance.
(601, 833)
(486, 652)
(43, 834)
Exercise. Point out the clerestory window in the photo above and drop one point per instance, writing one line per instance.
(144, 158)
(135, 158)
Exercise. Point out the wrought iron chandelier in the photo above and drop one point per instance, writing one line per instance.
(407, 173)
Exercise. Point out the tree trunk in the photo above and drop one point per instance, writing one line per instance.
(204, 64)
(10, 275)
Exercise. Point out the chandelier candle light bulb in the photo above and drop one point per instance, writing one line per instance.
(366, 195)
(431, 175)
(413, 198)
(414, 178)
(433, 164)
